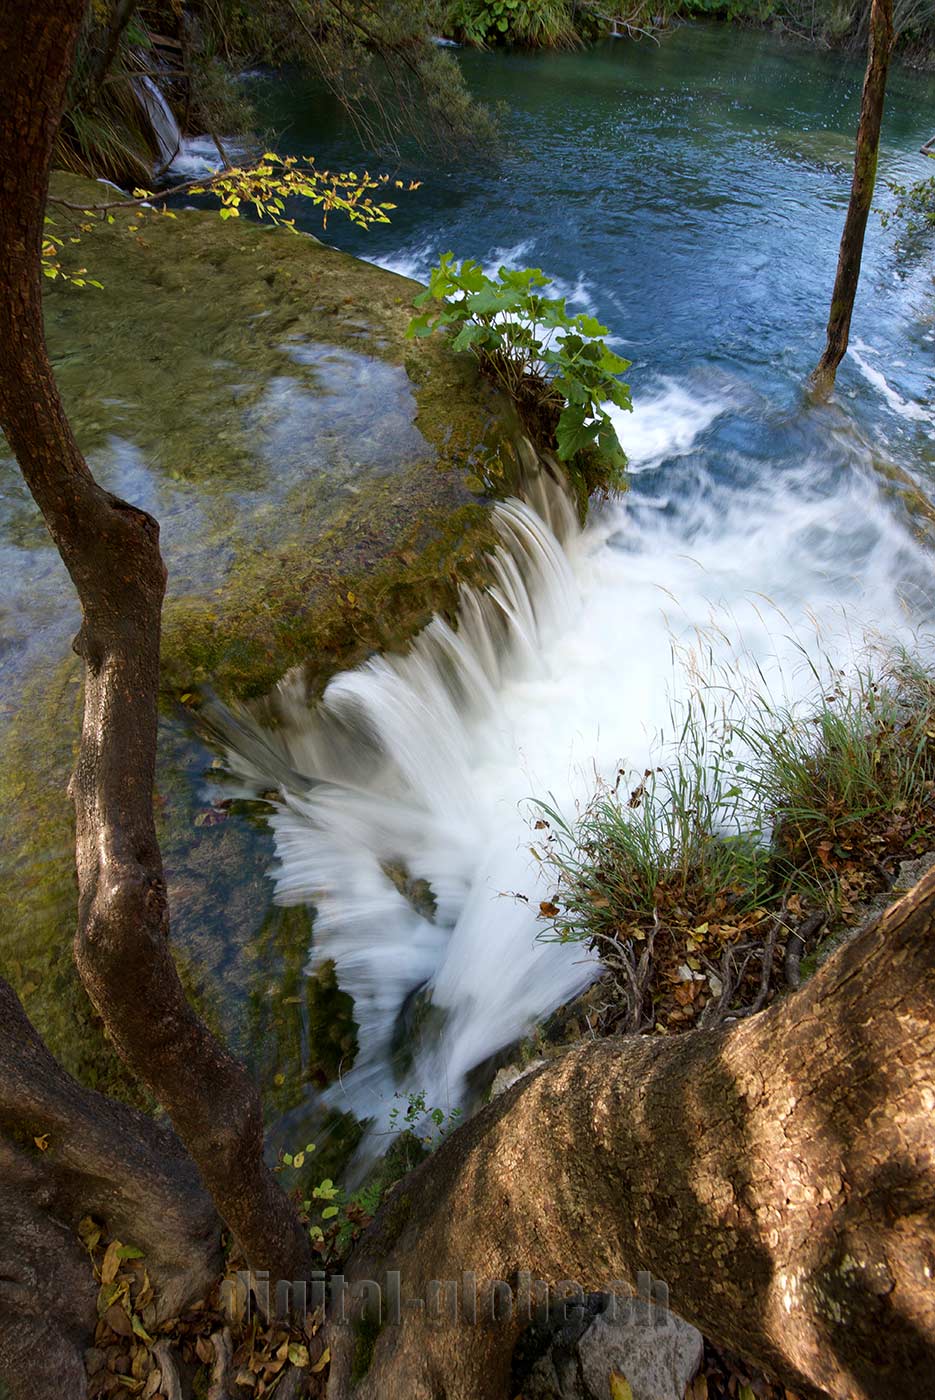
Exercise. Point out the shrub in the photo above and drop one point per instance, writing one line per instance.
(557, 368)
(531, 23)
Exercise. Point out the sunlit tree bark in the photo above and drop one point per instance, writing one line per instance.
(778, 1174)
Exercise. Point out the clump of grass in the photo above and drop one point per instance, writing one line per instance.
(680, 839)
(759, 823)
(528, 23)
(849, 786)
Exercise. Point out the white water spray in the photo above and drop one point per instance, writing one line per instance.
(161, 119)
(561, 670)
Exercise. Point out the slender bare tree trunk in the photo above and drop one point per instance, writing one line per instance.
(124, 11)
(858, 210)
(778, 1174)
(111, 551)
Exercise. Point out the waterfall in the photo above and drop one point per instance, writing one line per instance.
(161, 118)
(403, 811)
(394, 782)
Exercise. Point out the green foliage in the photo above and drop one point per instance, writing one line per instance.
(335, 1218)
(415, 1117)
(816, 801)
(853, 779)
(681, 837)
(265, 187)
(376, 56)
(531, 23)
(557, 367)
(915, 208)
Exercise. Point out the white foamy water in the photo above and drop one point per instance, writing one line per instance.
(561, 672)
(860, 353)
(199, 155)
(161, 117)
(417, 262)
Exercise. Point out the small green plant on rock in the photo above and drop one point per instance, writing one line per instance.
(557, 368)
(416, 1117)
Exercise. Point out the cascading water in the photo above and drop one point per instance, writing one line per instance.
(161, 118)
(691, 196)
(411, 832)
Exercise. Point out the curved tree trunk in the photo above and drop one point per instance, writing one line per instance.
(778, 1174)
(111, 551)
(100, 1158)
(862, 187)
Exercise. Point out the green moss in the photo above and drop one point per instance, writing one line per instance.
(366, 1331)
(322, 488)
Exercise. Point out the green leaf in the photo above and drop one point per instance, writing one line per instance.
(589, 325)
(469, 335)
(572, 432)
(139, 1329)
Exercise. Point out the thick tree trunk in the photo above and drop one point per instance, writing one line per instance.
(778, 1174)
(47, 1292)
(862, 187)
(105, 1159)
(111, 551)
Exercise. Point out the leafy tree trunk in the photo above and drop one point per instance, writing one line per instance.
(858, 210)
(778, 1174)
(111, 551)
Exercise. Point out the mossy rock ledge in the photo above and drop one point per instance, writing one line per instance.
(322, 485)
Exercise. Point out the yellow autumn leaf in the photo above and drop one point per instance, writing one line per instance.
(620, 1388)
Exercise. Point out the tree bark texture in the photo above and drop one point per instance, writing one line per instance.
(862, 186)
(111, 551)
(778, 1174)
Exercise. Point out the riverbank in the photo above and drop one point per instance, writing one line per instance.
(569, 23)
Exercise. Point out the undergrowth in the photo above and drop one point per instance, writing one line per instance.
(703, 881)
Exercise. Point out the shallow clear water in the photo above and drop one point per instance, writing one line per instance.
(691, 195)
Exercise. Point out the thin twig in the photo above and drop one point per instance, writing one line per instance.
(798, 940)
(776, 923)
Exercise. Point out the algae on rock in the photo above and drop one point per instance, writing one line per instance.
(321, 485)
